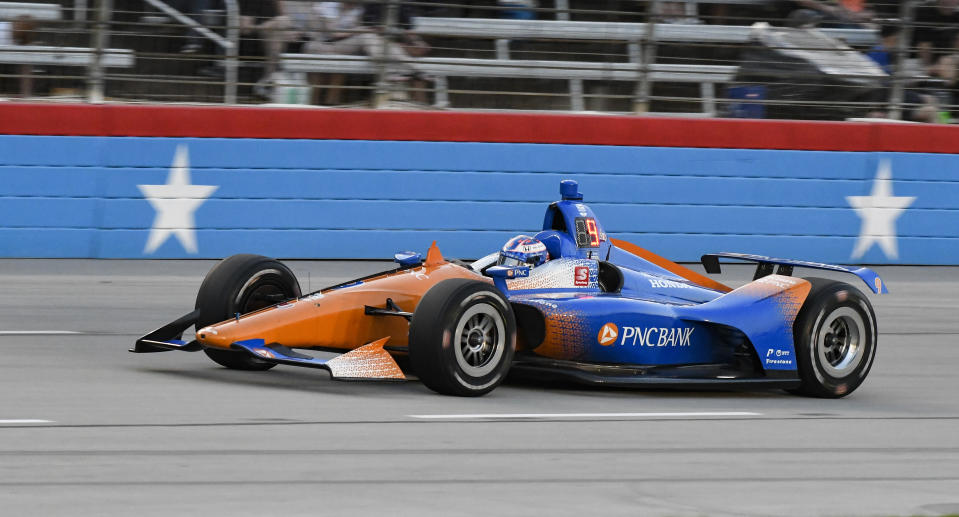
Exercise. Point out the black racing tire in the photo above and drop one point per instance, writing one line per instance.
(462, 338)
(242, 284)
(836, 337)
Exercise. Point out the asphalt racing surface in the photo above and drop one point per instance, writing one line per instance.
(89, 429)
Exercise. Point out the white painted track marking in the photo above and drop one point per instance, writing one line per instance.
(36, 332)
(534, 416)
(25, 421)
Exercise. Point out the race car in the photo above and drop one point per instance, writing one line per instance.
(569, 302)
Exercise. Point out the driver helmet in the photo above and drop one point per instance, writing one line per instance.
(523, 250)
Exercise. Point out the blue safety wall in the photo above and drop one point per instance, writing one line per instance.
(79, 197)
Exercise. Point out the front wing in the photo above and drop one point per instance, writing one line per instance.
(368, 362)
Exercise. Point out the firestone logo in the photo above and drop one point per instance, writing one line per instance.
(608, 334)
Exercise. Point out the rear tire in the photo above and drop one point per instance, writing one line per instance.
(242, 284)
(462, 338)
(836, 337)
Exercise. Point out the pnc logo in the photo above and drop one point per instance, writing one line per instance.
(608, 334)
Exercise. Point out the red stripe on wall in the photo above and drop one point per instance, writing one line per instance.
(918, 138)
(305, 123)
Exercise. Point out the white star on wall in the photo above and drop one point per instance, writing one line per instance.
(175, 204)
(879, 212)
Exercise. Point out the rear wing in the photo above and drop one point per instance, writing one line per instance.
(785, 267)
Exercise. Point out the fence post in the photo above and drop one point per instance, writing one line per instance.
(79, 13)
(95, 75)
(232, 51)
(383, 88)
(906, 10)
(647, 57)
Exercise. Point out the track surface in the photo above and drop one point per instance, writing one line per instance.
(174, 434)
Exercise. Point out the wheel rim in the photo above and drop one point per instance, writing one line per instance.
(479, 340)
(261, 296)
(262, 290)
(840, 342)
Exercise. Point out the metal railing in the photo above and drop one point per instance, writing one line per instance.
(685, 57)
(230, 44)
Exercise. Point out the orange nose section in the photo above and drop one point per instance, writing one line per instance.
(337, 317)
(291, 323)
(211, 336)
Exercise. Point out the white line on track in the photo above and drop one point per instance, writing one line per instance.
(582, 416)
(36, 332)
(25, 421)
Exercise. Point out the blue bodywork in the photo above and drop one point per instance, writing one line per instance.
(632, 313)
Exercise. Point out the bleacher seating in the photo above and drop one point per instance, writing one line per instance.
(580, 60)
(574, 71)
(63, 56)
(482, 28)
(52, 55)
(37, 11)
(502, 31)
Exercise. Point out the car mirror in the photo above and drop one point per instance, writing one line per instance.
(408, 258)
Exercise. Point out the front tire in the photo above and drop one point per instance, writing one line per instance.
(462, 338)
(242, 284)
(836, 337)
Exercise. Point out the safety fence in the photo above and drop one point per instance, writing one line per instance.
(163, 182)
(695, 58)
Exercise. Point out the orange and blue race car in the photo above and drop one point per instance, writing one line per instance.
(568, 303)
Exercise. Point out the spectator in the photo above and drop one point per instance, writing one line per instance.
(946, 69)
(337, 21)
(269, 27)
(935, 24)
(919, 107)
(374, 16)
(303, 19)
(343, 32)
(882, 52)
(265, 20)
(195, 10)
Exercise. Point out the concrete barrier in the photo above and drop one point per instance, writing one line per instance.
(186, 194)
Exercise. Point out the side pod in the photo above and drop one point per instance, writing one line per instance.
(764, 310)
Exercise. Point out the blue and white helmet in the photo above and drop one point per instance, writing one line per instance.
(523, 250)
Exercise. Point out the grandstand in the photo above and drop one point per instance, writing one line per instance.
(701, 58)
